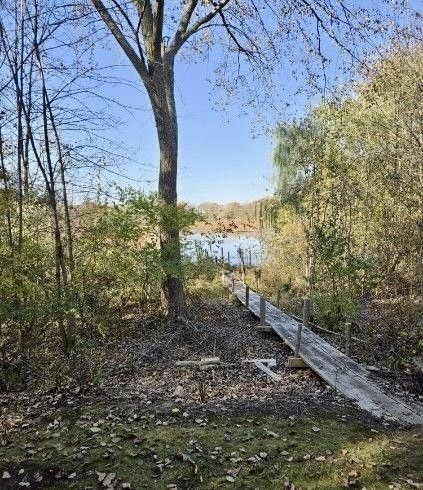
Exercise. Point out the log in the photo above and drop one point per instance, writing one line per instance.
(186, 363)
(209, 360)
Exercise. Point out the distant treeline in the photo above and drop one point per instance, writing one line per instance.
(255, 215)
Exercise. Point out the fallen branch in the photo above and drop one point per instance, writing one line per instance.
(204, 364)
(269, 372)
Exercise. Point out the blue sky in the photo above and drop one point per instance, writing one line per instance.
(222, 156)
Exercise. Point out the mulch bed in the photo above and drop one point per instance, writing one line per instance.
(138, 367)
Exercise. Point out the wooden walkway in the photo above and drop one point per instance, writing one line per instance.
(338, 370)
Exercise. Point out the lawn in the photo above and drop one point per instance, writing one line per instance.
(99, 446)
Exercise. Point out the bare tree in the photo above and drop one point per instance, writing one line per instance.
(152, 32)
(44, 77)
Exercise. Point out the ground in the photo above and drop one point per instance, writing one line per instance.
(128, 418)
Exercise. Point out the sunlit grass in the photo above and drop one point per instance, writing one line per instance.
(260, 452)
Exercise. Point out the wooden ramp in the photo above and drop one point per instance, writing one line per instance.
(338, 370)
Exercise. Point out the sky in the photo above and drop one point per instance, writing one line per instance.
(223, 154)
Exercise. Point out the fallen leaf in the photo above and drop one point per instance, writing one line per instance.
(100, 476)
(108, 480)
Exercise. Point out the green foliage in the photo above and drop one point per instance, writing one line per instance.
(117, 271)
(118, 260)
(350, 175)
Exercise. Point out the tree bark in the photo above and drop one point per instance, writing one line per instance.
(154, 62)
(160, 87)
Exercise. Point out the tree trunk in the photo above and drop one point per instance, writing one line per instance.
(161, 92)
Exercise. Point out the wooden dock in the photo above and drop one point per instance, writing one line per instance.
(338, 370)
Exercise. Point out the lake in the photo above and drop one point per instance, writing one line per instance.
(213, 243)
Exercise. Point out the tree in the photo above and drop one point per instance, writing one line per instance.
(152, 32)
(44, 77)
(351, 173)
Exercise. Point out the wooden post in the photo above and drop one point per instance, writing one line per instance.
(250, 262)
(262, 311)
(298, 340)
(296, 361)
(306, 312)
(233, 284)
(222, 257)
(229, 259)
(247, 295)
(347, 339)
(278, 298)
(306, 319)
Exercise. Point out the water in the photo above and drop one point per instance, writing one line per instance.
(212, 243)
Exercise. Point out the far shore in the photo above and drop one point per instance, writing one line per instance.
(227, 227)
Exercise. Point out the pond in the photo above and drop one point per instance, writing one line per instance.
(228, 244)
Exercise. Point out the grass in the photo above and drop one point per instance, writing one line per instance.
(255, 452)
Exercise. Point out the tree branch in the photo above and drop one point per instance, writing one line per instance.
(184, 32)
(136, 60)
(158, 17)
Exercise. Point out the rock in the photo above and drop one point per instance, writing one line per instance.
(6, 475)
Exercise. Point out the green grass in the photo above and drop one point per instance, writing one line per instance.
(191, 455)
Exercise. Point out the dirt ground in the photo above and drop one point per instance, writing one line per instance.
(138, 366)
(123, 414)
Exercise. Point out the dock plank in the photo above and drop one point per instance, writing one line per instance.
(338, 370)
